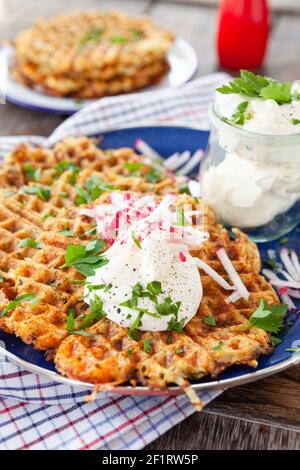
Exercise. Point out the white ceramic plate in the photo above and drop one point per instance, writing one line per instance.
(183, 64)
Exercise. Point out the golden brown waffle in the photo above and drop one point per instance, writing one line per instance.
(109, 355)
(91, 54)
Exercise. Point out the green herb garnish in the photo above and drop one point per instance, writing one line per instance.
(209, 320)
(147, 346)
(43, 193)
(17, 302)
(218, 346)
(85, 259)
(295, 122)
(118, 39)
(133, 331)
(94, 187)
(29, 242)
(93, 35)
(240, 114)
(175, 325)
(180, 217)
(67, 233)
(136, 240)
(31, 173)
(257, 86)
(269, 318)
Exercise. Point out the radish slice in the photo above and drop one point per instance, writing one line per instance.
(284, 283)
(284, 256)
(231, 271)
(195, 160)
(234, 297)
(296, 263)
(213, 274)
(148, 151)
(294, 293)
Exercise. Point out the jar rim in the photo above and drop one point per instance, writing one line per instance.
(269, 139)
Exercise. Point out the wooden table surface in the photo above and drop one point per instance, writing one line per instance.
(262, 415)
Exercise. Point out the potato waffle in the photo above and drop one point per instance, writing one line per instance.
(48, 214)
(90, 54)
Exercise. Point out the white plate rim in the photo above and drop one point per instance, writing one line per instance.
(66, 106)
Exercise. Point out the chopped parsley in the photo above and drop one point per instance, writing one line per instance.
(29, 242)
(93, 188)
(65, 165)
(118, 39)
(218, 346)
(153, 176)
(209, 320)
(31, 173)
(93, 35)
(17, 302)
(175, 325)
(295, 122)
(239, 116)
(147, 346)
(179, 351)
(180, 218)
(251, 85)
(133, 167)
(67, 233)
(284, 240)
(85, 259)
(133, 331)
(269, 318)
(136, 240)
(43, 193)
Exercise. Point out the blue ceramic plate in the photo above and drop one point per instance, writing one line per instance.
(167, 140)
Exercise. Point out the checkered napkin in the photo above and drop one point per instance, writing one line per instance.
(38, 413)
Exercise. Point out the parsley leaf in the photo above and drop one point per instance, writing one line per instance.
(175, 325)
(17, 302)
(43, 193)
(67, 233)
(93, 35)
(85, 259)
(134, 329)
(209, 320)
(257, 86)
(93, 188)
(269, 318)
(147, 346)
(136, 240)
(280, 92)
(180, 218)
(154, 287)
(295, 122)
(133, 167)
(31, 173)
(240, 115)
(29, 242)
(218, 346)
(119, 39)
(167, 307)
(153, 176)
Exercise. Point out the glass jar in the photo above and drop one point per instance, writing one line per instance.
(251, 180)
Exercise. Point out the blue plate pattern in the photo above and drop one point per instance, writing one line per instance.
(166, 140)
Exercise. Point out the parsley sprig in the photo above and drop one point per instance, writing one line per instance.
(251, 85)
(17, 302)
(93, 188)
(166, 307)
(268, 318)
(30, 243)
(85, 259)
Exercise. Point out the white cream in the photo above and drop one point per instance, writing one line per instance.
(155, 261)
(162, 255)
(259, 177)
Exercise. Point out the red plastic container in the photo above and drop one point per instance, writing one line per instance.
(243, 31)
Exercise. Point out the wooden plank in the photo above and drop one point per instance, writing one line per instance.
(210, 431)
(260, 415)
